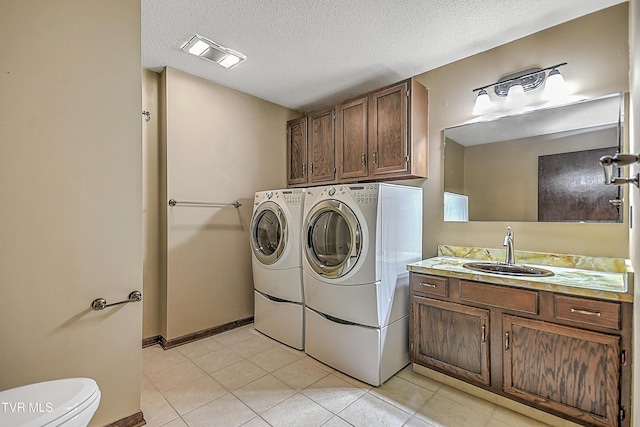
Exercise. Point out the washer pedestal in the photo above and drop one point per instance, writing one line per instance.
(371, 355)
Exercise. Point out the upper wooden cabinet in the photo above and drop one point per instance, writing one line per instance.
(352, 139)
(322, 146)
(398, 131)
(381, 135)
(297, 151)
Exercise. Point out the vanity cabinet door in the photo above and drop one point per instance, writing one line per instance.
(567, 370)
(297, 151)
(451, 337)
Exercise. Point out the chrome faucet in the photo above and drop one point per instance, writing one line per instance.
(508, 243)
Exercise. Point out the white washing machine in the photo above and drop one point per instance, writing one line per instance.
(277, 265)
(357, 241)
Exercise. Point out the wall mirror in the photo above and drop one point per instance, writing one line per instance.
(540, 165)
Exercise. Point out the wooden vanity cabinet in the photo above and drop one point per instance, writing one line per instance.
(566, 369)
(451, 337)
(563, 354)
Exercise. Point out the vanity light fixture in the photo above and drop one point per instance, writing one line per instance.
(515, 85)
(212, 51)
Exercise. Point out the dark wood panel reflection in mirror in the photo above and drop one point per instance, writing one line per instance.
(494, 163)
(571, 188)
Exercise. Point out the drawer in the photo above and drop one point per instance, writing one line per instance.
(500, 296)
(588, 311)
(430, 285)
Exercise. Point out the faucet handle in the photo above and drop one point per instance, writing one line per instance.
(507, 237)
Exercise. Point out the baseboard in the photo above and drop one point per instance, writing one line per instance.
(135, 420)
(174, 342)
(148, 342)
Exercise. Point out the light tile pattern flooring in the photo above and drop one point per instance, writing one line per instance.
(243, 378)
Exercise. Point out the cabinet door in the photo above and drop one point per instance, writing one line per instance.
(351, 139)
(451, 337)
(297, 151)
(322, 146)
(388, 136)
(568, 370)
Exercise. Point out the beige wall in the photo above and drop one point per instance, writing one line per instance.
(596, 50)
(70, 185)
(218, 145)
(151, 203)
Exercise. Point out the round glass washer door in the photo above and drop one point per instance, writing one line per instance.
(268, 233)
(333, 239)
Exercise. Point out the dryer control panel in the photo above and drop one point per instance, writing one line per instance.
(361, 193)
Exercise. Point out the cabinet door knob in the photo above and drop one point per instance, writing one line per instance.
(484, 334)
(506, 341)
(364, 159)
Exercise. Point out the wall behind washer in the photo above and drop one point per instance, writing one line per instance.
(219, 145)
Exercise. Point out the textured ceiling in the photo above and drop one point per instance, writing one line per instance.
(305, 54)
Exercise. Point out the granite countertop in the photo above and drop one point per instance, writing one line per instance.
(596, 277)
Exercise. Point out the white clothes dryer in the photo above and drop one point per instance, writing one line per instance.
(277, 265)
(357, 241)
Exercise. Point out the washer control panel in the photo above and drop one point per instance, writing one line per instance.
(365, 194)
(293, 197)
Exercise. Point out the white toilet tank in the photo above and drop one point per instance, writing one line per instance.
(68, 402)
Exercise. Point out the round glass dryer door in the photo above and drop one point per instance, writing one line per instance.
(333, 239)
(268, 233)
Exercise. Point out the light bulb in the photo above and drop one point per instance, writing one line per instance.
(554, 87)
(516, 97)
(198, 48)
(229, 61)
(483, 103)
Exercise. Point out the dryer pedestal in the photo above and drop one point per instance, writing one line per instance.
(371, 355)
(281, 320)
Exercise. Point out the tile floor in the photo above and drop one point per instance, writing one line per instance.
(243, 378)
